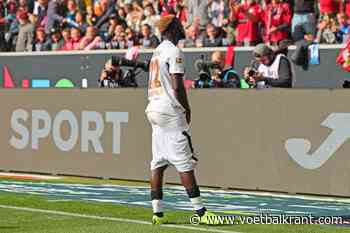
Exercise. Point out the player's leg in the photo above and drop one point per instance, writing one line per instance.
(185, 163)
(157, 195)
(158, 166)
(188, 180)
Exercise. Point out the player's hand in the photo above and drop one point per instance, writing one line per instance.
(188, 117)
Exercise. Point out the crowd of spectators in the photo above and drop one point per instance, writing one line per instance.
(51, 25)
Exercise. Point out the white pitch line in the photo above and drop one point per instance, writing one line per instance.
(112, 219)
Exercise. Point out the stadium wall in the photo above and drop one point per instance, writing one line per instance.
(88, 64)
(292, 141)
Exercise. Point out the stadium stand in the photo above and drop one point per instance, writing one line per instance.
(54, 25)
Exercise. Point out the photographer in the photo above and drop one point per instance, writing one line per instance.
(226, 76)
(112, 76)
(269, 69)
(214, 73)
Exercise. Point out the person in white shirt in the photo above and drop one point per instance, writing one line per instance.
(169, 113)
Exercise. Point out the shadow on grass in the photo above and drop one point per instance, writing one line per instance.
(8, 227)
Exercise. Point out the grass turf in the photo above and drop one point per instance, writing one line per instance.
(30, 222)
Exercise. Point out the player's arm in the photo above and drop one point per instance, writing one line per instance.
(177, 70)
(181, 95)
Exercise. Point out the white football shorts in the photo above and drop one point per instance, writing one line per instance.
(171, 142)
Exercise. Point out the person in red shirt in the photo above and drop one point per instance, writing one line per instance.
(277, 19)
(343, 58)
(67, 45)
(181, 12)
(169, 6)
(247, 16)
(329, 7)
(344, 7)
(73, 41)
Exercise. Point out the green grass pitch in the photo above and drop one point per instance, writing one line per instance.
(91, 217)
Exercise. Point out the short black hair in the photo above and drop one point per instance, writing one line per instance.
(173, 29)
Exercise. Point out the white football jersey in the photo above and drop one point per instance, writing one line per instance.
(167, 59)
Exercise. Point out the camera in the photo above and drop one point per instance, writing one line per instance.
(120, 61)
(346, 84)
(110, 80)
(252, 72)
(204, 69)
(123, 78)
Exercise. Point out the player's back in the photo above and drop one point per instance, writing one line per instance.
(167, 59)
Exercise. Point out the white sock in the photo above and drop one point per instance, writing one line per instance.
(197, 203)
(157, 206)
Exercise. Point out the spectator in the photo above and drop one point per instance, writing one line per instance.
(193, 39)
(56, 40)
(11, 9)
(148, 40)
(127, 9)
(2, 25)
(343, 29)
(117, 19)
(198, 11)
(100, 7)
(68, 44)
(26, 33)
(40, 11)
(329, 8)
(134, 19)
(217, 11)
(182, 12)
(121, 41)
(23, 5)
(79, 19)
(71, 40)
(119, 29)
(108, 11)
(229, 37)
(11, 34)
(91, 18)
(304, 19)
(76, 37)
(78, 22)
(118, 41)
(345, 7)
(247, 17)
(277, 21)
(121, 13)
(212, 37)
(131, 38)
(112, 23)
(327, 30)
(72, 10)
(41, 44)
(54, 14)
(90, 41)
(240, 22)
(150, 16)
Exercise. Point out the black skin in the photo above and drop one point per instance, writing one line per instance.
(174, 33)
